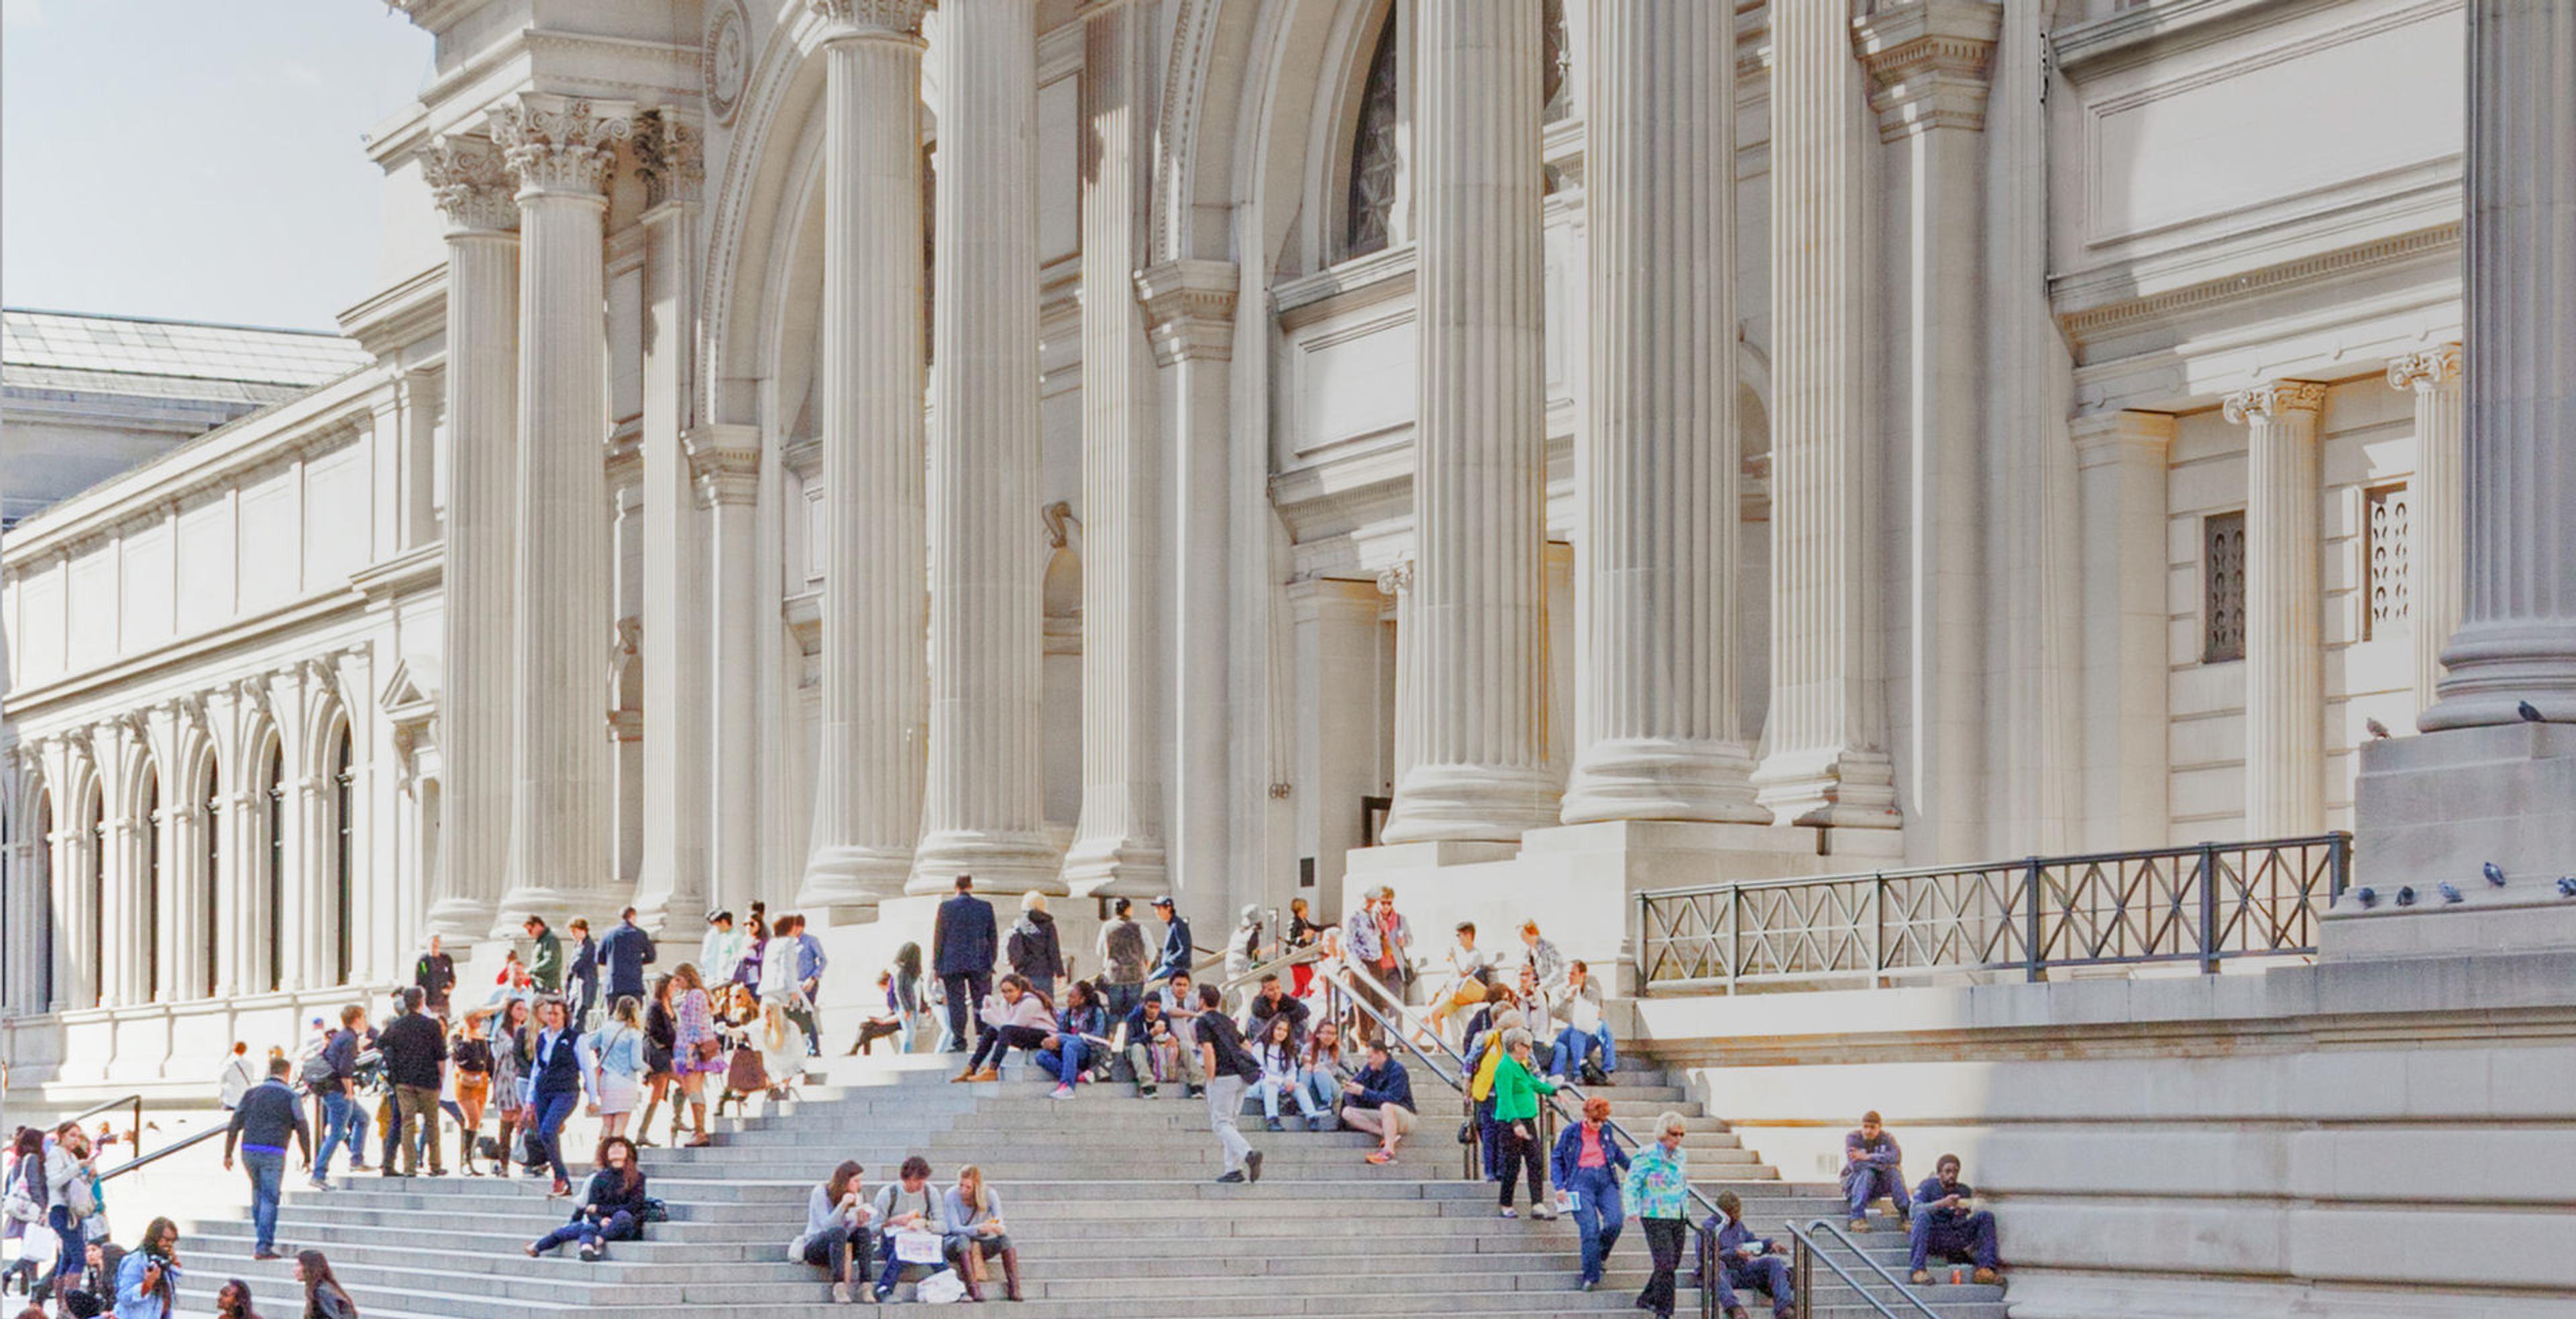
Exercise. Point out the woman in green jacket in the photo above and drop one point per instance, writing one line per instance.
(1516, 1091)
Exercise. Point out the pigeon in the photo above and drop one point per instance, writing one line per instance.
(2567, 886)
(2369, 897)
(2377, 729)
(2494, 874)
(2450, 893)
(2406, 896)
(2530, 713)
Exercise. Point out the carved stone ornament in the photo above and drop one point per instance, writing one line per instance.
(725, 63)
(1396, 578)
(2428, 370)
(668, 157)
(902, 17)
(559, 143)
(472, 183)
(2273, 399)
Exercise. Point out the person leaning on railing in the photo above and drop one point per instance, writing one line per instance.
(1516, 1092)
(1657, 1195)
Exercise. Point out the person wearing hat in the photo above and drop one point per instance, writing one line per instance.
(1177, 947)
(963, 942)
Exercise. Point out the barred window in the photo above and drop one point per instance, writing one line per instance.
(1373, 152)
(2384, 575)
(2222, 587)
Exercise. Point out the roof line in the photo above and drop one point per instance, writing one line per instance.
(173, 320)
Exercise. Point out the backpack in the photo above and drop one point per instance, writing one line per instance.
(317, 1072)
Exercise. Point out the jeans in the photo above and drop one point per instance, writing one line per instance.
(416, 1118)
(1598, 1215)
(1225, 1104)
(965, 993)
(1768, 1273)
(1269, 1092)
(1865, 1182)
(824, 1251)
(1123, 1000)
(552, 1111)
(1572, 1046)
(267, 1172)
(1319, 1082)
(894, 1267)
(1490, 1139)
(619, 1226)
(998, 1040)
(1064, 1062)
(75, 1256)
(1665, 1238)
(1972, 1235)
(342, 1124)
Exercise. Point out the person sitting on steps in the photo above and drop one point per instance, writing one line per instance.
(1065, 1051)
(1948, 1223)
(1577, 1004)
(840, 1233)
(611, 1206)
(1872, 1167)
(1157, 1050)
(1015, 1017)
(1379, 1101)
(1282, 1073)
(973, 1212)
(1745, 1260)
(908, 1204)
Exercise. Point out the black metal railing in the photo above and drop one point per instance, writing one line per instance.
(1810, 1252)
(2205, 904)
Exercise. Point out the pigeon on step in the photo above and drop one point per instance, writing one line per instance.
(2530, 713)
(2406, 895)
(2567, 886)
(2367, 896)
(2494, 874)
(2450, 893)
(2377, 729)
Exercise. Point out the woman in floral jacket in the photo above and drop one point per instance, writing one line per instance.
(1657, 1193)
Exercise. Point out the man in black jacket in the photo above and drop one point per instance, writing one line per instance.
(963, 942)
(435, 973)
(1177, 949)
(413, 1046)
(267, 1114)
(583, 987)
(626, 951)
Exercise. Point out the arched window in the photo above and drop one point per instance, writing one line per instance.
(209, 934)
(149, 801)
(98, 896)
(343, 858)
(273, 881)
(1373, 152)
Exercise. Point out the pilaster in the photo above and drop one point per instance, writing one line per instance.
(2434, 567)
(2120, 459)
(2284, 666)
(724, 470)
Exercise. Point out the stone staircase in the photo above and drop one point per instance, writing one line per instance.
(1110, 1199)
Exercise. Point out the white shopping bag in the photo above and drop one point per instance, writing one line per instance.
(941, 1288)
(916, 1247)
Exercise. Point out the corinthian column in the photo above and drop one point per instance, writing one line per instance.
(981, 813)
(1479, 670)
(561, 151)
(1827, 762)
(1655, 654)
(1119, 845)
(867, 767)
(473, 187)
(2433, 549)
(2284, 669)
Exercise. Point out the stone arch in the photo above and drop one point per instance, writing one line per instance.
(756, 212)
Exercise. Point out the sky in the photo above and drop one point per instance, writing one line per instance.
(196, 159)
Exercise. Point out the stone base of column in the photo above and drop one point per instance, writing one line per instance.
(461, 921)
(2493, 668)
(1471, 803)
(1000, 863)
(850, 880)
(2435, 809)
(1111, 866)
(1663, 779)
(558, 906)
(1834, 786)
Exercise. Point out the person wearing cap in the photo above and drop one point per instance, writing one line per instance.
(721, 950)
(1750, 1262)
(1873, 1166)
(1948, 1223)
(963, 942)
(545, 965)
(1177, 947)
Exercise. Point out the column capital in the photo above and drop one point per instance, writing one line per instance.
(669, 156)
(471, 180)
(2424, 372)
(867, 20)
(724, 463)
(2275, 399)
(2100, 436)
(1189, 309)
(1396, 578)
(561, 144)
(1928, 63)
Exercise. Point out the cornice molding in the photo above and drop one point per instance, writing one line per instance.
(2111, 318)
(1189, 309)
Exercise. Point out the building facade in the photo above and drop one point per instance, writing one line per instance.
(807, 449)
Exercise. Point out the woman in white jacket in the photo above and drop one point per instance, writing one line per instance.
(1283, 1073)
(1015, 1017)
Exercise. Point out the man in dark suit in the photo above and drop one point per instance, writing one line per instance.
(963, 941)
(626, 952)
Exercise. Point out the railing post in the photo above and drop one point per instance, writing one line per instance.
(2035, 968)
(2339, 865)
(1877, 929)
(1803, 1266)
(1734, 936)
(2209, 906)
(1637, 946)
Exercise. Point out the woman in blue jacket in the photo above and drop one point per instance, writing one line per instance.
(1587, 1164)
(1065, 1050)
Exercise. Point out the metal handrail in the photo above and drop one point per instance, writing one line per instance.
(1809, 1250)
(1394, 1030)
(134, 1127)
(164, 1152)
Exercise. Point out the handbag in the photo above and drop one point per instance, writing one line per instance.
(706, 1050)
(655, 1211)
(745, 1072)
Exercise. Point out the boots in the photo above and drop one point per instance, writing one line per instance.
(465, 1152)
(644, 1129)
(698, 1111)
(973, 1271)
(501, 1156)
(1011, 1272)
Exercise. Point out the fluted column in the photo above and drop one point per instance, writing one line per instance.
(560, 149)
(473, 186)
(981, 812)
(1827, 763)
(1478, 660)
(867, 764)
(724, 468)
(2433, 567)
(1655, 688)
(2284, 667)
(1119, 845)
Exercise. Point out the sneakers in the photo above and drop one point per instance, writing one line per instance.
(1146, 1091)
(1543, 1213)
(591, 1253)
(1984, 1278)
(1315, 1123)
(1061, 1092)
(1252, 1164)
(1507, 1212)
(1920, 1278)
(1380, 1157)
(1270, 1125)
(1234, 1177)
(1859, 1225)
(1196, 1092)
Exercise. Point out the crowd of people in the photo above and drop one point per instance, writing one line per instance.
(1318, 1040)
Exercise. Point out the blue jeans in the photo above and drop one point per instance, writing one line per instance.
(1270, 1091)
(1491, 1138)
(1319, 1082)
(619, 1226)
(1572, 1046)
(894, 1267)
(75, 1256)
(1972, 1235)
(1064, 1062)
(267, 1172)
(552, 1111)
(342, 1124)
(1767, 1272)
(1869, 1181)
(1598, 1215)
